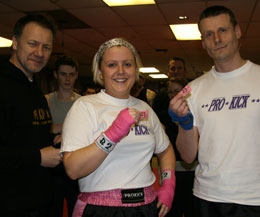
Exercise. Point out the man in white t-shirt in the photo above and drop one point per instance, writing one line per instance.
(219, 121)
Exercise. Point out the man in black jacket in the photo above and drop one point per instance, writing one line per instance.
(25, 120)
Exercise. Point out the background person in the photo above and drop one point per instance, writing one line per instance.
(225, 131)
(183, 198)
(60, 101)
(141, 92)
(176, 68)
(108, 146)
(89, 91)
(25, 121)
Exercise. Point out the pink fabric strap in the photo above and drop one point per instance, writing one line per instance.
(79, 208)
(114, 197)
(166, 191)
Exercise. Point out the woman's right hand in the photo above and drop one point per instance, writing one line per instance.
(122, 124)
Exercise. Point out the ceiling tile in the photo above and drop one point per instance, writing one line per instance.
(241, 8)
(98, 17)
(141, 15)
(256, 14)
(160, 32)
(10, 19)
(114, 32)
(5, 9)
(87, 36)
(66, 20)
(253, 30)
(179, 1)
(174, 10)
(6, 31)
(31, 5)
(69, 4)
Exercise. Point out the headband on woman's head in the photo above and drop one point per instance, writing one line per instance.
(113, 43)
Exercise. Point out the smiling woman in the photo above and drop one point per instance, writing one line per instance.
(118, 71)
(116, 42)
(108, 142)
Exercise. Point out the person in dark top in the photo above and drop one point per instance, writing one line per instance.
(176, 69)
(141, 92)
(60, 101)
(25, 121)
(183, 200)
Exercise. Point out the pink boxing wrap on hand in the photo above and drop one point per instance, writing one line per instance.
(120, 127)
(166, 191)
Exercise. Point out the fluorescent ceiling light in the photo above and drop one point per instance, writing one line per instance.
(4, 42)
(148, 70)
(128, 2)
(186, 31)
(157, 76)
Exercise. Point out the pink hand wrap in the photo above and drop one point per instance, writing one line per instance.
(120, 127)
(166, 191)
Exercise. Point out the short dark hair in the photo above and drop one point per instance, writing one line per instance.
(67, 61)
(215, 11)
(42, 19)
(177, 59)
(182, 81)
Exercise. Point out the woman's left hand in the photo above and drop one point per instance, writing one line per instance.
(164, 209)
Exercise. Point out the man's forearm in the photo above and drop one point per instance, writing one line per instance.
(187, 144)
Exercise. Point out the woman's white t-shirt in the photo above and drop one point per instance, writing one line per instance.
(128, 165)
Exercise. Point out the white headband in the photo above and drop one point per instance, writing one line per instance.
(113, 43)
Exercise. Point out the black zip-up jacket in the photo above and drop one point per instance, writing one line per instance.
(24, 129)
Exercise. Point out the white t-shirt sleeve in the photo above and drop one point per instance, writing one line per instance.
(78, 127)
(161, 139)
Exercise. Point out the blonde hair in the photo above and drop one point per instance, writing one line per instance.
(115, 42)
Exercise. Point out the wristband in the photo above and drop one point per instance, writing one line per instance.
(188, 124)
(166, 174)
(104, 143)
(185, 122)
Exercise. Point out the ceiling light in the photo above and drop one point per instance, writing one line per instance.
(157, 76)
(128, 2)
(183, 17)
(4, 42)
(148, 70)
(186, 31)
